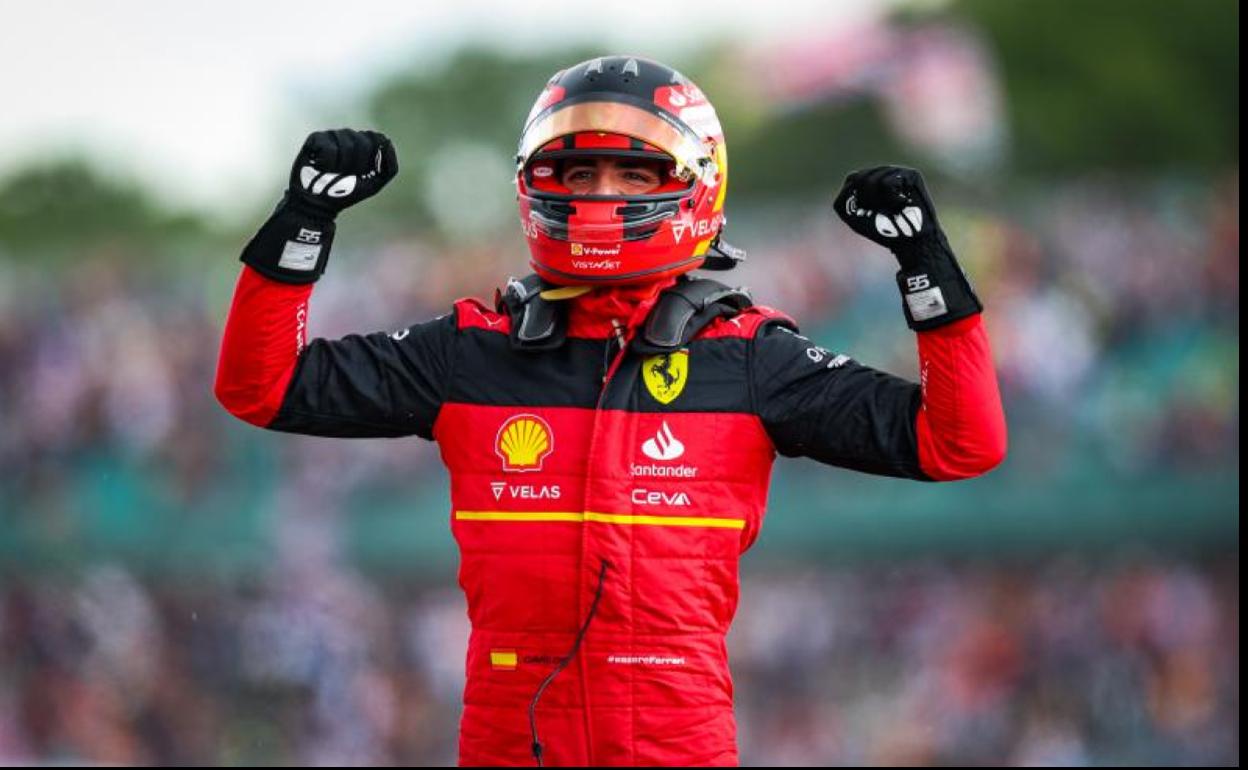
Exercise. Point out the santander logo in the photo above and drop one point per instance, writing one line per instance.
(663, 445)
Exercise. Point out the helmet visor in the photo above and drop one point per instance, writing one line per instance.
(691, 155)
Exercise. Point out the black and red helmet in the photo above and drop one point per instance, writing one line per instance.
(631, 107)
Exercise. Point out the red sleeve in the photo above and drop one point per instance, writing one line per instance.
(960, 426)
(264, 334)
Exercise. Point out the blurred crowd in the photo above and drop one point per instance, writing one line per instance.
(1067, 661)
(1114, 319)
(1059, 663)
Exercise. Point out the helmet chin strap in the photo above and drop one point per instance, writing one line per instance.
(565, 292)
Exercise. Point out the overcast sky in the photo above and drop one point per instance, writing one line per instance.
(192, 97)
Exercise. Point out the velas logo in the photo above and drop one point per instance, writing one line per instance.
(665, 375)
(523, 442)
(702, 228)
(525, 491)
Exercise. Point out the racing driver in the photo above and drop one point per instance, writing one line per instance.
(609, 422)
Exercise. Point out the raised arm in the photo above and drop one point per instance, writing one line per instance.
(826, 406)
(816, 403)
(360, 386)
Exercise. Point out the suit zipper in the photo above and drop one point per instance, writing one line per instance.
(620, 342)
(609, 363)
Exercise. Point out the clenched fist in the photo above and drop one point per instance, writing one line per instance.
(890, 205)
(333, 170)
(337, 169)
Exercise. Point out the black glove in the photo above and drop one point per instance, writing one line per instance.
(334, 170)
(889, 205)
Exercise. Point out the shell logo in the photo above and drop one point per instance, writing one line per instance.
(523, 442)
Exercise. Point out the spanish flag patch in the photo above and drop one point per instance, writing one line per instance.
(503, 660)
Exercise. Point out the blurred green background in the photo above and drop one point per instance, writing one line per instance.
(179, 587)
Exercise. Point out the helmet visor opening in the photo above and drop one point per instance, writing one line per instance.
(689, 153)
(604, 174)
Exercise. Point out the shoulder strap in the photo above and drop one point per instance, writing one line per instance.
(683, 310)
(722, 255)
(536, 323)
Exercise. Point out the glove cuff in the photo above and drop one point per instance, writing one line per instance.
(293, 245)
(934, 289)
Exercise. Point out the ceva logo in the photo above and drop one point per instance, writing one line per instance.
(655, 497)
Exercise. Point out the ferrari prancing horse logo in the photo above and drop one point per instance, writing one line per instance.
(665, 375)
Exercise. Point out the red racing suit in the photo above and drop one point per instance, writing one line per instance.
(602, 498)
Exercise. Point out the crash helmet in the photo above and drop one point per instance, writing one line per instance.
(625, 107)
